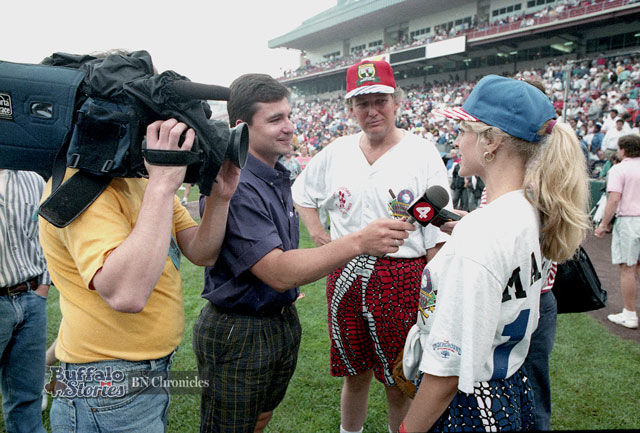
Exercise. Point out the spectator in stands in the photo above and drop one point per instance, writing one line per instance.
(358, 178)
(595, 109)
(304, 157)
(458, 362)
(610, 121)
(597, 164)
(611, 161)
(627, 123)
(623, 203)
(453, 159)
(291, 164)
(596, 140)
(610, 140)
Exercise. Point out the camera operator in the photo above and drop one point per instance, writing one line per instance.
(117, 269)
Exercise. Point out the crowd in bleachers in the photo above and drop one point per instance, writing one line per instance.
(601, 90)
(551, 11)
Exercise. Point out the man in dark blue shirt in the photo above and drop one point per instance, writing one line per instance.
(247, 336)
(596, 141)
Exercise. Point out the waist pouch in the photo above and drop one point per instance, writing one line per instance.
(103, 137)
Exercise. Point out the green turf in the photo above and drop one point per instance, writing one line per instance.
(594, 374)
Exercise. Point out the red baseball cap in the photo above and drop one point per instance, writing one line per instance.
(370, 76)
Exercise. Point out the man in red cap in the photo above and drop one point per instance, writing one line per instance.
(359, 178)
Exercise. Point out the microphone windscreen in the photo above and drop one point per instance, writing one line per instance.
(190, 90)
(437, 196)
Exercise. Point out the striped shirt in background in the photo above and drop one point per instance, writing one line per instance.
(554, 265)
(21, 257)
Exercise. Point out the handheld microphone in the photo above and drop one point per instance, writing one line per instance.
(429, 209)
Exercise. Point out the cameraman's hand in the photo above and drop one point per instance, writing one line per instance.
(165, 135)
(226, 181)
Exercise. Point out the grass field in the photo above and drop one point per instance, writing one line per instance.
(595, 375)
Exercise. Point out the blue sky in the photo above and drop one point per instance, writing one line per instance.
(211, 42)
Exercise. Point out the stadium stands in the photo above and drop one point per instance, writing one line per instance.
(597, 85)
(428, 41)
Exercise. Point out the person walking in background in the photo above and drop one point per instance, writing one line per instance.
(623, 203)
(357, 179)
(247, 336)
(185, 194)
(458, 185)
(24, 285)
(474, 188)
(479, 298)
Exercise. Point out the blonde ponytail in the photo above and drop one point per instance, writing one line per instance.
(558, 186)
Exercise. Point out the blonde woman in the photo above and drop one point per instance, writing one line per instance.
(480, 295)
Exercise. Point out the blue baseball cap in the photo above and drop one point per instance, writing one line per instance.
(514, 106)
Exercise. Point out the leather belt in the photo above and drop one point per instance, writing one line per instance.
(263, 313)
(31, 284)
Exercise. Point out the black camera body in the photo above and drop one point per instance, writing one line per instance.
(91, 113)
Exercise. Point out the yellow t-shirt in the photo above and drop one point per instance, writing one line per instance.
(90, 330)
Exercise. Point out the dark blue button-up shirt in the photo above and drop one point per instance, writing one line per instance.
(261, 218)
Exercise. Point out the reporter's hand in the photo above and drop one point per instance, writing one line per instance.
(321, 238)
(165, 135)
(600, 231)
(448, 226)
(384, 236)
(226, 181)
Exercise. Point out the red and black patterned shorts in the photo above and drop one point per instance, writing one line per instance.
(372, 303)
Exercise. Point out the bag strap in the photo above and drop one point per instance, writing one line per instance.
(68, 200)
(72, 198)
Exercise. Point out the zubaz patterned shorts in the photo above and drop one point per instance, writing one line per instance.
(372, 304)
(496, 405)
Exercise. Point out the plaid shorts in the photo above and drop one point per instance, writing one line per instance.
(372, 303)
(248, 361)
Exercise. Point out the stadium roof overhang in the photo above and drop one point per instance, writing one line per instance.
(352, 19)
(568, 30)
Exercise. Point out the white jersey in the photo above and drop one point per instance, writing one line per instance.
(480, 295)
(355, 193)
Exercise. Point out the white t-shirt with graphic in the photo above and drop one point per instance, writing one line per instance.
(355, 193)
(480, 295)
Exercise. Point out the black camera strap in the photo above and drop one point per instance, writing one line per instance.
(69, 199)
(171, 157)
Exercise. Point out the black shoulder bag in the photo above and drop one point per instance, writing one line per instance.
(577, 287)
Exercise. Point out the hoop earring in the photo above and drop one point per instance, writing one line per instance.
(488, 156)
